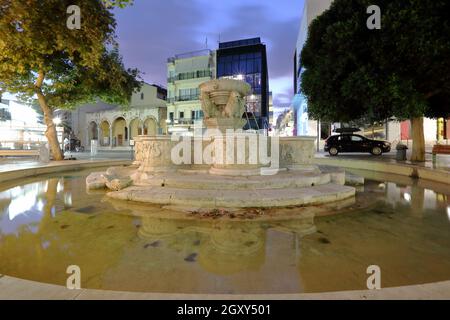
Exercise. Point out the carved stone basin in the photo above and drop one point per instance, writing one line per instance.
(223, 103)
(219, 90)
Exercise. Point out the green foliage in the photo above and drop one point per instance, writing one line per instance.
(402, 70)
(117, 3)
(79, 65)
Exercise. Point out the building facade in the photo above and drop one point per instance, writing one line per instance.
(21, 126)
(247, 60)
(114, 126)
(185, 72)
(302, 125)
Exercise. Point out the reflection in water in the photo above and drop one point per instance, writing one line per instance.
(224, 247)
(400, 225)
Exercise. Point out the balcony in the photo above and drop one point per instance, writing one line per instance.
(180, 122)
(190, 75)
(184, 98)
(187, 55)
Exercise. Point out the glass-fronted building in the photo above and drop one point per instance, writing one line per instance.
(247, 60)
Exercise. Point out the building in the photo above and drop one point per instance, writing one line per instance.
(302, 125)
(114, 126)
(271, 111)
(435, 131)
(185, 72)
(247, 60)
(21, 126)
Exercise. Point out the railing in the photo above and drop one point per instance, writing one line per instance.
(191, 54)
(190, 75)
(181, 122)
(176, 122)
(184, 98)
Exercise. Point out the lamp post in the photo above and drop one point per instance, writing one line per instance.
(318, 135)
(132, 149)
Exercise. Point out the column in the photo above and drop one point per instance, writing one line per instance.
(110, 136)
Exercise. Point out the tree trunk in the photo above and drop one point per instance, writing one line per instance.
(418, 149)
(50, 133)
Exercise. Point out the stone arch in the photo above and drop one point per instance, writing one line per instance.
(105, 138)
(150, 126)
(119, 132)
(163, 126)
(93, 132)
(135, 128)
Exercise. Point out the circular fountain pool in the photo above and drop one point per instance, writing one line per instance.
(51, 222)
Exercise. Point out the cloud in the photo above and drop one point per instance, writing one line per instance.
(151, 31)
(283, 87)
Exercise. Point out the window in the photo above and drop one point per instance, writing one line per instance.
(189, 94)
(181, 114)
(193, 114)
(249, 66)
(357, 139)
(171, 116)
(142, 96)
(5, 115)
(221, 69)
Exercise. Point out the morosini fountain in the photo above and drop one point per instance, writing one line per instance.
(222, 166)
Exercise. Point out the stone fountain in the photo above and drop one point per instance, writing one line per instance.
(223, 166)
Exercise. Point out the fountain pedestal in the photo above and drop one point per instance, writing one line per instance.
(226, 167)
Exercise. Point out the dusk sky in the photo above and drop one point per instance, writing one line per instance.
(150, 31)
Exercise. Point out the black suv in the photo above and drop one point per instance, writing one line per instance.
(355, 143)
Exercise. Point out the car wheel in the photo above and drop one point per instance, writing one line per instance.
(376, 151)
(333, 151)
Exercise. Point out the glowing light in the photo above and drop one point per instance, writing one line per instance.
(407, 197)
(68, 199)
(240, 77)
(57, 121)
(60, 186)
(448, 212)
(40, 205)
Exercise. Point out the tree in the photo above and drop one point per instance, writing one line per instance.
(401, 70)
(41, 58)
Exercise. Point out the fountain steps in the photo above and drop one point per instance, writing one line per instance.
(165, 175)
(236, 198)
(288, 179)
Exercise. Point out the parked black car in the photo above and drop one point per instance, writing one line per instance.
(355, 143)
